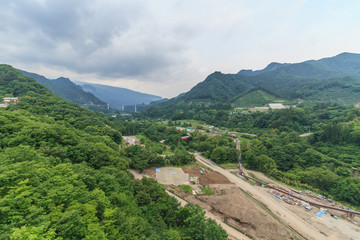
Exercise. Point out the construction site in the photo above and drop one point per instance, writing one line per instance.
(250, 205)
(263, 210)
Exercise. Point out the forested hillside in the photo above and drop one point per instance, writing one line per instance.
(326, 162)
(62, 175)
(66, 89)
(328, 80)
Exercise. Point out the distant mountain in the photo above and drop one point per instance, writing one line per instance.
(335, 79)
(117, 96)
(66, 89)
(271, 67)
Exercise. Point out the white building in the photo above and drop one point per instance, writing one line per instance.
(276, 106)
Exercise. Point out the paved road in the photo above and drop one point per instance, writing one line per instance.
(248, 134)
(286, 216)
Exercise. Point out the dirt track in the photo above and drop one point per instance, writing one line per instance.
(308, 231)
(337, 228)
(235, 209)
(232, 233)
(231, 205)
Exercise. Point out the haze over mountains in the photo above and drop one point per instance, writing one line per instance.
(66, 89)
(334, 79)
(93, 94)
(117, 96)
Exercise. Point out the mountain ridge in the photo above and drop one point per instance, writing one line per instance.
(117, 96)
(66, 89)
(286, 80)
(327, 80)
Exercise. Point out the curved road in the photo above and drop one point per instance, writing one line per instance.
(285, 215)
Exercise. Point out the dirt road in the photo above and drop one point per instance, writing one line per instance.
(344, 229)
(285, 215)
(233, 233)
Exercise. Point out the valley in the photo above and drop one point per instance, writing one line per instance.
(301, 143)
(179, 120)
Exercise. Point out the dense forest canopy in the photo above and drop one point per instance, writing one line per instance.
(62, 175)
(327, 161)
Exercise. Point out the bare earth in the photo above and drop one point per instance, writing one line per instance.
(208, 177)
(234, 208)
(253, 211)
(305, 223)
(172, 176)
(340, 228)
(232, 233)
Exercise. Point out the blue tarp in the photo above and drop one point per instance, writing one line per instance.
(319, 214)
(157, 169)
(278, 196)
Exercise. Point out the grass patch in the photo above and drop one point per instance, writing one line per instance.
(245, 180)
(249, 181)
(167, 151)
(245, 139)
(185, 188)
(255, 98)
(255, 177)
(228, 165)
(206, 190)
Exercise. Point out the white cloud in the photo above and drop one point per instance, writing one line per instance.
(166, 47)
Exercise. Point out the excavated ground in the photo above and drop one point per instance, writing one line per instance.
(208, 176)
(234, 208)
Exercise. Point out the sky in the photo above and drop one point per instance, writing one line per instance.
(165, 47)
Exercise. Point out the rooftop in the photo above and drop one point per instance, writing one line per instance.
(276, 106)
(10, 98)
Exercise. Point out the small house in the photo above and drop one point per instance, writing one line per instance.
(10, 100)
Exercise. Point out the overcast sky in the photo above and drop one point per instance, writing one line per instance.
(165, 47)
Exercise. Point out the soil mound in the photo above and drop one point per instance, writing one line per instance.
(150, 172)
(208, 176)
(238, 211)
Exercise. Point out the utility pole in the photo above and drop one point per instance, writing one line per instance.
(239, 156)
(135, 107)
